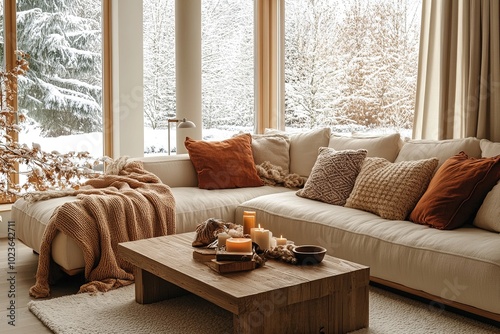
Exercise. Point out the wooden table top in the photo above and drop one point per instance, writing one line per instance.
(170, 257)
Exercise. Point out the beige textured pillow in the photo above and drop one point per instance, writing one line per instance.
(488, 215)
(304, 148)
(274, 148)
(442, 149)
(333, 175)
(489, 149)
(391, 190)
(383, 147)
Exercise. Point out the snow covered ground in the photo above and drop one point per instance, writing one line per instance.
(155, 141)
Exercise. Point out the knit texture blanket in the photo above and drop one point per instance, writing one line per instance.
(129, 205)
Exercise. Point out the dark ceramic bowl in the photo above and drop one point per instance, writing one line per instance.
(309, 254)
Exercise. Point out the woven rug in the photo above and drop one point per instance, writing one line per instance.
(117, 312)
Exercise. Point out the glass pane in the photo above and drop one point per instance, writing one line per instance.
(351, 65)
(227, 68)
(159, 73)
(61, 95)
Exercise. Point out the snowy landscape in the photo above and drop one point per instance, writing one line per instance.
(349, 65)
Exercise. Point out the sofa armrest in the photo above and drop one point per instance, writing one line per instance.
(173, 170)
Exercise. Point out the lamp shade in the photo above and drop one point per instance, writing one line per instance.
(184, 124)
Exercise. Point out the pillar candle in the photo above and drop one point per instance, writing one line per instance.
(239, 245)
(221, 239)
(252, 232)
(280, 241)
(262, 238)
(248, 223)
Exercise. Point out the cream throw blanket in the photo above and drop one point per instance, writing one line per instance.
(133, 204)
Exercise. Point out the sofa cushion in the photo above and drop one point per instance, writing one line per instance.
(194, 205)
(274, 148)
(383, 147)
(488, 216)
(304, 148)
(441, 149)
(489, 148)
(224, 164)
(388, 189)
(333, 175)
(456, 192)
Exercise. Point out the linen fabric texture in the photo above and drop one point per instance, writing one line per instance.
(224, 164)
(457, 191)
(383, 147)
(488, 216)
(304, 148)
(391, 190)
(274, 148)
(333, 175)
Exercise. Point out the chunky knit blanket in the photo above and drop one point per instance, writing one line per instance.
(129, 205)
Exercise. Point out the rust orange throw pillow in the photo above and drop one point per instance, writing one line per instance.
(456, 191)
(224, 164)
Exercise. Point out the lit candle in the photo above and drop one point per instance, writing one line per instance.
(248, 222)
(252, 232)
(281, 241)
(221, 239)
(262, 238)
(239, 245)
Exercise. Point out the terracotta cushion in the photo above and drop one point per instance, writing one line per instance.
(456, 191)
(224, 164)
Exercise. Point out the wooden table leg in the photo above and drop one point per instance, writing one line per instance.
(150, 288)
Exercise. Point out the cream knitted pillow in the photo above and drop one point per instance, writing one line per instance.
(333, 175)
(391, 190)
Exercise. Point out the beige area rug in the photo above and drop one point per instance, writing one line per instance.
(117, 312)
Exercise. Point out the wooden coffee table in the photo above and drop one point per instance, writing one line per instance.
(330, 297)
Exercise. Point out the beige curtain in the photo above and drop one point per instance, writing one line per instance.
(270, 62)
(458, 85)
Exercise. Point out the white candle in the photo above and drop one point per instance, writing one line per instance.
(281, 241)
(262, 238)
(252, 232)
(221, 239)
(239, 245)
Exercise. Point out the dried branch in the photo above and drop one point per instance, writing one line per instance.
(40, 170)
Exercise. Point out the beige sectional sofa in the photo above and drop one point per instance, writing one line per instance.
(460, 266)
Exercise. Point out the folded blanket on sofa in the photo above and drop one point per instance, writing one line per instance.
(130, 205)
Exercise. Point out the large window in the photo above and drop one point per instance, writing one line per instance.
(351, 65)
(61, 95)
(227, 67)
(159, 73)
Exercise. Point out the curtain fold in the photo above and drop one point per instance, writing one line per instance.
(458, 84)
(270, 60)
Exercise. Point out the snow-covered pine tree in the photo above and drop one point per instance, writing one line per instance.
(62, 92)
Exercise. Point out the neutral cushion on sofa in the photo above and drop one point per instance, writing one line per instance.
(488, 216)
(383, 147)
(333, 175)
(441, 149)
(218, 203)
(444, 263)
(274, 148)
(304, 148)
